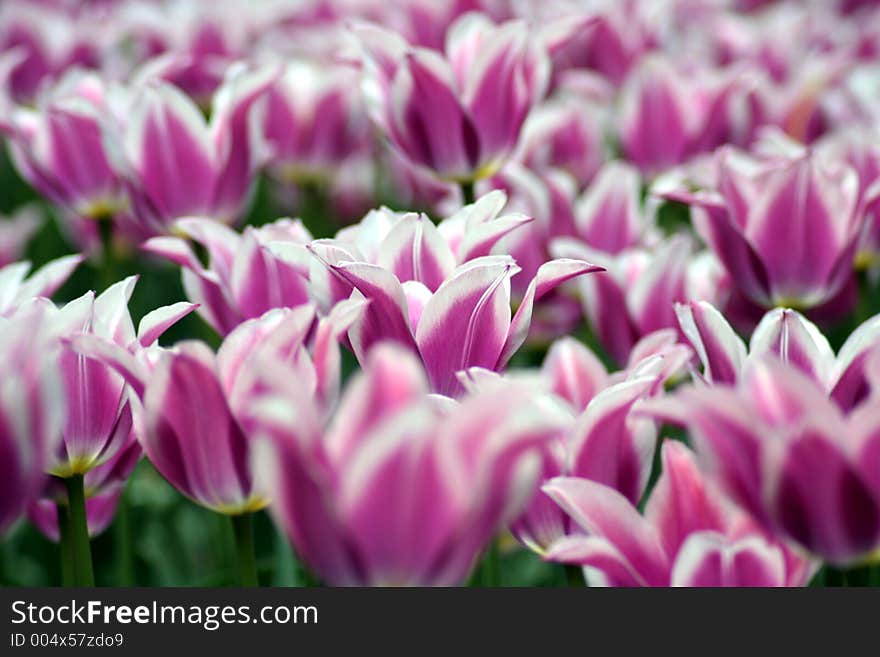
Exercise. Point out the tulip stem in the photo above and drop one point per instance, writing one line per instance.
(243, 528)
(79, 531)
(122, 540)
(468, 195)
(488, 573)
(65, 544)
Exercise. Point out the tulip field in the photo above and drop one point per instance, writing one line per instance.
(440, 293)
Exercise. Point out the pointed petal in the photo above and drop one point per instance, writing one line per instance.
(603, 512)
(157, 321)
(609, 446)
(466, 322)
(719, 348)
(550, 275)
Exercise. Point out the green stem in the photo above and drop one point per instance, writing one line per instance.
(79, 531)
(243, 528)
(109, 267)
(65, 544)
(122, 540)
(835, 577)
(574, 576)
(468, 195)
(488, 572)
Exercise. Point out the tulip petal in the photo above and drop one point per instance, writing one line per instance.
(603, 512)
(466, 322)
(550, 275)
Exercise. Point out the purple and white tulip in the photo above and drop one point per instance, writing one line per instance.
(689, 535)
(786, 229)
(789, 456)
(458, 114)
(467, 467)
(247, 274)
(32, 410)
(453, 317)
(788, 335)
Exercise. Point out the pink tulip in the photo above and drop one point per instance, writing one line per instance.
(165, 139)
(16, 230)
(466, 468)
(785, 229)
(31, 411)
(457, 114)
(16, 290)
(791, 337)
(638, 292)
(453, 317)
(104, 485)
(247, 274)
(58, 148)
(689, 535)
(607, 443)
(99, 416)
(47, 41)
(195, 403)
(789, 456)
(313, 120)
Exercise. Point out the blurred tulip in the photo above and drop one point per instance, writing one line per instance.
(47, 40)
(638, 292)
(458, 115)
(468, 468)
(16, 290)
(59, 148)
(165, 139)
(104, 485)
(788, 455)
(16, 230)
(313, 120)
(785, 229)
(247, 274)
(32, 410)
(690, 535)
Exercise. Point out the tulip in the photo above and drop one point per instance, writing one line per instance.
(165, 139)
(47, 41)
(99, 417)
(31, 411)
(638, 292)
(612, 43)
(452, 320)
(16, 231)
(668, 115)
(785, 229)
(467, 468)
(312, 121)
(58, 148)
(457, 114)
(690, 535)
(247, 274)
(16, 290)
(788, 335)
(607, 443)
(548, 197)
(104, 486)
(789, 456)
(858, 148)
(185, 43)
(195, 405)
(560, 134)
